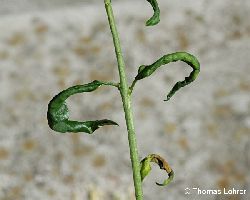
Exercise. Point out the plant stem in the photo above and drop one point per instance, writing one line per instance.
(125, 94)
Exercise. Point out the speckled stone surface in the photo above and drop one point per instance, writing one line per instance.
(203, 131)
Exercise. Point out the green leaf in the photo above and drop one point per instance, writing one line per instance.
(146, 70)
(58, 112)
(155, 19)
(145, 168)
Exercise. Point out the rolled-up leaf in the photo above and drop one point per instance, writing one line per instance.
(145, 168)
(155, 19)
(146, 70)
(58, 112)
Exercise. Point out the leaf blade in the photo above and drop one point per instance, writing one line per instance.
(155, 19)
(58, 112)
(146, 70)
(145, 168)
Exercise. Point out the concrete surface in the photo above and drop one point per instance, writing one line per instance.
(203, 132)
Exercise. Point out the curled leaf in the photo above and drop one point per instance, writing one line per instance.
(155, 19)
(58, 112)
(145, 168)
(146, 70)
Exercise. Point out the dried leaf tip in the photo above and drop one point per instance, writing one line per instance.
(145, 168)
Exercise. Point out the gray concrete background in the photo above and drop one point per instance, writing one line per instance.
(21, 6)
(203, 132)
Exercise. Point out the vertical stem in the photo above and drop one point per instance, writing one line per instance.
(125, 94)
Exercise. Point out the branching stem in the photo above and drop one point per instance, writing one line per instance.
(125, 95)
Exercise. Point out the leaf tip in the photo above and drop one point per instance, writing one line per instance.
(167, 181)
(155, 19)
(167, 99)
(152, 21)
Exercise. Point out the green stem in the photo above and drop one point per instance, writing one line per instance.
(132, 86)
(125, 94)
(111, 83)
